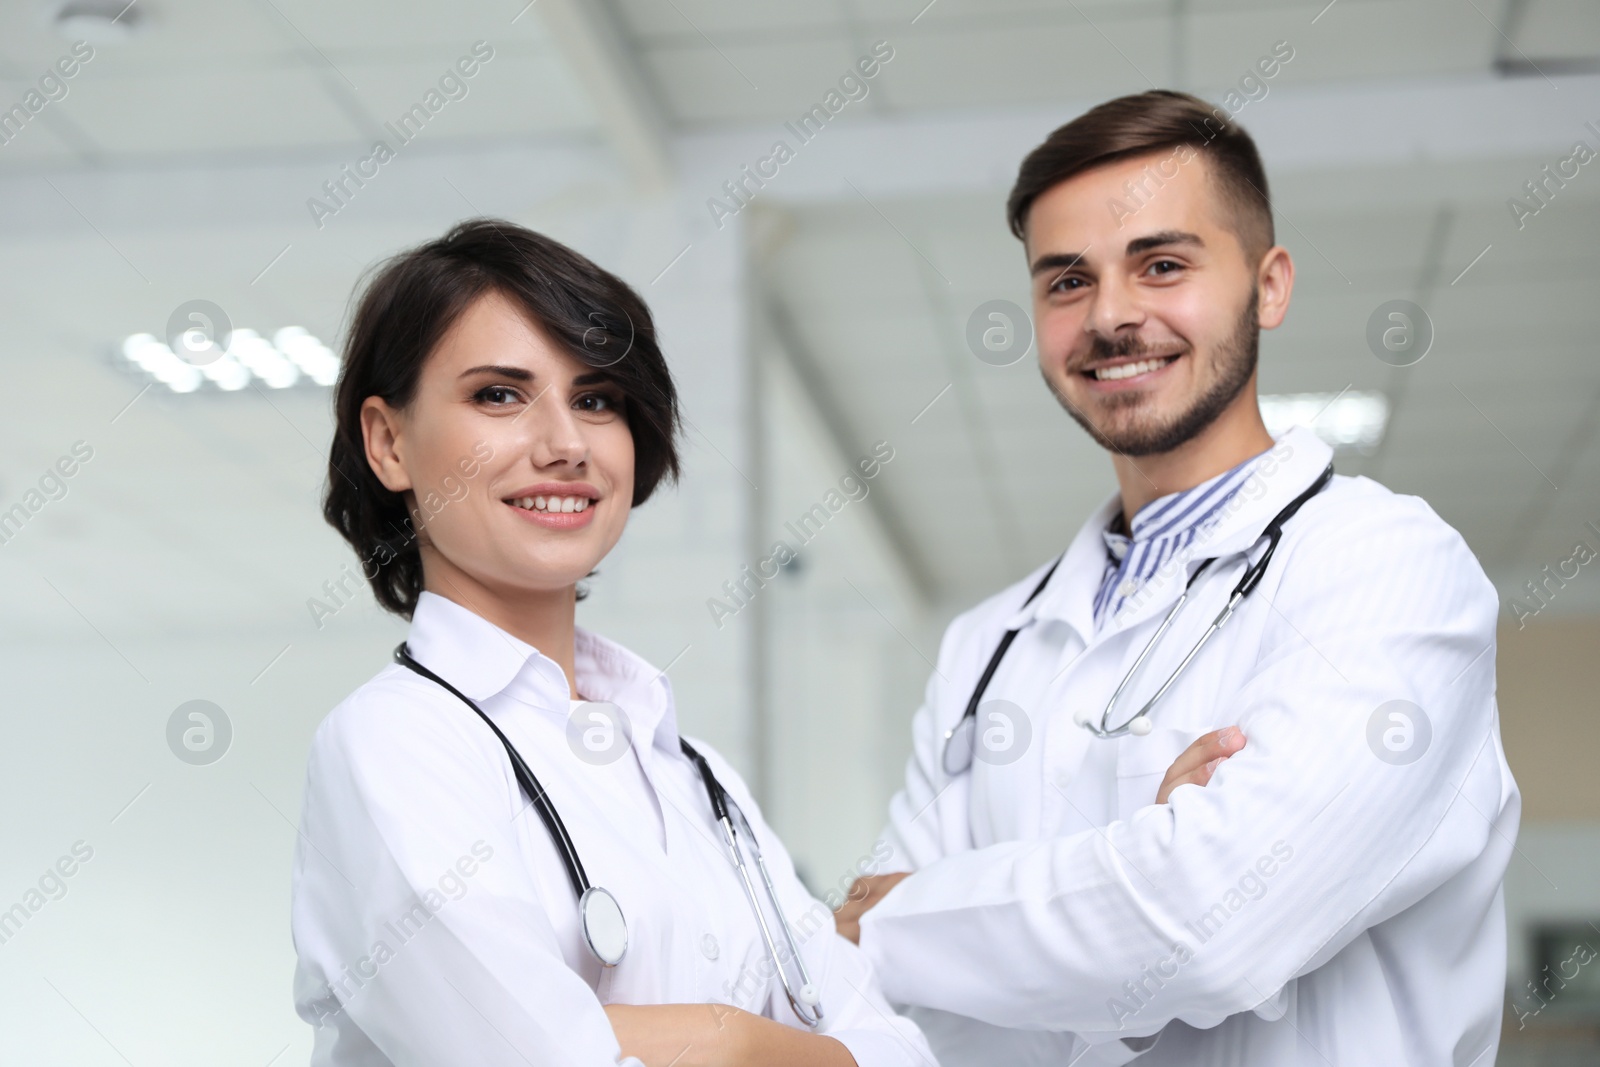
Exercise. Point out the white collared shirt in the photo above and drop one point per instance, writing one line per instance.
(433, 918)
(1332, 896)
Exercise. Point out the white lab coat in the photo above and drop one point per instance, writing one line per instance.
(433, 919)
(1315, 903)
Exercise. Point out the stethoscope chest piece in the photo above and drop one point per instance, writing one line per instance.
(604, 928)
(959, 741)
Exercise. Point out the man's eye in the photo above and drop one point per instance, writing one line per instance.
(1157, 266)
(1061, 284)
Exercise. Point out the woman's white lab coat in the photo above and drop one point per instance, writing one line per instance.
(1326, 899)
(433, 919)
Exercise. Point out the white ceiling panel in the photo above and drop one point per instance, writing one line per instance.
(526, 89)
(988, 64)
(1352, 39)
(1559, 28)
(211, 80)
(722, 18)
(775, 80)
(248, 109)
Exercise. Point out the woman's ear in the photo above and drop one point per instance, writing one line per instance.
(381, 432)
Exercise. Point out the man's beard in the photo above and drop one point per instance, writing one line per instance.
(1235, 362)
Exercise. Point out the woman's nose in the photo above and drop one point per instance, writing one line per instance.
(556, 434)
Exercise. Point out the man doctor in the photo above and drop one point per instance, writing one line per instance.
(1330, 892)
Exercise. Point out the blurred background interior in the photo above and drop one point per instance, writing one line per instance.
(224, 152)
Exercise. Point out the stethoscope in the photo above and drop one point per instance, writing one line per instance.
(960, 739)
(605, 930)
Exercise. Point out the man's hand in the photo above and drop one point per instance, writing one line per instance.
(864, 893)
(1194, 766)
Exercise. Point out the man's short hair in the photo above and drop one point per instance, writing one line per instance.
(1150, 122)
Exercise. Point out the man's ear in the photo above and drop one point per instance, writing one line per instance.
(1275, 281)
(382, 434)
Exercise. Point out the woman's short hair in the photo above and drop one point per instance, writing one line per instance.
(404, 311)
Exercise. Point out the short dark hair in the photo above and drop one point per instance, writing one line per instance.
(410, 303)
(1149, 122)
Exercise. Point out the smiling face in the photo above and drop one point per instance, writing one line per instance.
(515, 457)
(1147, 307)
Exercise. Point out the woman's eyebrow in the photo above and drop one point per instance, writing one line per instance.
(518, 374)
(592, 378)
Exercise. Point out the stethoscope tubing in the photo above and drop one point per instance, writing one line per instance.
(806, 1009)
(958, 754)
(804, 1002)
(537, 796)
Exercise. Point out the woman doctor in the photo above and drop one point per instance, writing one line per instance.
(503, 405)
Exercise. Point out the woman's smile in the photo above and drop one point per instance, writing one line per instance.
(556, 505)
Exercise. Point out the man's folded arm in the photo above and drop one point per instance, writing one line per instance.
(1208, 905)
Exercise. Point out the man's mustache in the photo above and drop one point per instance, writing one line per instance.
(1103, 348)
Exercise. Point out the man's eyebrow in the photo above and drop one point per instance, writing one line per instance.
(516, 374)
(1165, 237)
(1058, 261)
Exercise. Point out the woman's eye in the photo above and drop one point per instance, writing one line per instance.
(596, 403)
(495, 395)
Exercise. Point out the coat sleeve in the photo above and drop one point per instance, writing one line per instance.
(854, 1009)
(1380, 608)
(417, 923)
(928, 816)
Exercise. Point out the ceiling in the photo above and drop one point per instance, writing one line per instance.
(261, 77)
(1500, 414)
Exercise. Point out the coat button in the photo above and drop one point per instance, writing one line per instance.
(708, 945)
(1129, 586)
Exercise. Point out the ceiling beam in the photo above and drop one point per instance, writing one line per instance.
(1442, 120)
(792, 348)
(590, 36)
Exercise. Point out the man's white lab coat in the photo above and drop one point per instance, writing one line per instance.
(1333, 896)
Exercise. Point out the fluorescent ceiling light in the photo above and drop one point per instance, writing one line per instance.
(292, 356)
(1351, 421)
(98, 21)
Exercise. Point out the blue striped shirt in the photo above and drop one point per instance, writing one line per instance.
(1162, 527)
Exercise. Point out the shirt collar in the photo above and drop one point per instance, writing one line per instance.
(1170, 515)
(483, 660)
(1298, 455)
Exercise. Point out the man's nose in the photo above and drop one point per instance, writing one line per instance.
(1117, 309)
